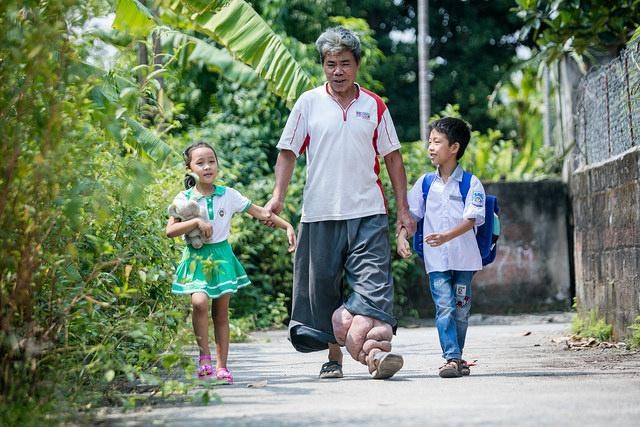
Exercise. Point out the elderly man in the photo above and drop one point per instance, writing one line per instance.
(343, 129)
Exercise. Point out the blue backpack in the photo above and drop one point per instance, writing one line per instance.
(486, 235)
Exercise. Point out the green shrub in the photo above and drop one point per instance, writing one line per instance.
(634, 340)
(591, 326)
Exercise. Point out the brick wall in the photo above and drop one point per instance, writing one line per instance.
(606, 210)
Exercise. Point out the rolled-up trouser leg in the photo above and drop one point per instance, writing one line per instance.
(317, 284)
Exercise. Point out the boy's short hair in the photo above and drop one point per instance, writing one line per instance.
(456, 130)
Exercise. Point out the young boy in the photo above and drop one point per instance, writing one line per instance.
(451, 254)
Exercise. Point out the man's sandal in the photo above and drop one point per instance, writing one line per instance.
(331, 369)
(205, 370)
(387, 364)
(225, 375)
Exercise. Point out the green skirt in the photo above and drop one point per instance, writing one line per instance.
(212, 269)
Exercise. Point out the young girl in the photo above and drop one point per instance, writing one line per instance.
(213, 271)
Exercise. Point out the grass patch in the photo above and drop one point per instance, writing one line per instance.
(634, 339)
(592, 326)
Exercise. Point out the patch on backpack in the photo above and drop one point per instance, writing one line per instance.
(477, 199)
(363, 115)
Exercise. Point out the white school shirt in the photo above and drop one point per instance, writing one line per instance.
(444, 210)
(220, 207)
(342, 148)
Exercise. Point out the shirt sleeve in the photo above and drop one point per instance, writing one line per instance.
(416, 199)
(474, 206)
(387, 137)
(237, 202)
(295, 132)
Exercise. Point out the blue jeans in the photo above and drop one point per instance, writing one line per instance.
(451, 293)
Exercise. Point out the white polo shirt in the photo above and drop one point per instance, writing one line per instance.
(444, 210)
(342, 148)
(220, 207)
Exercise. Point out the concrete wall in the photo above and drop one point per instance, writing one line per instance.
(606, 210)
(532, 271)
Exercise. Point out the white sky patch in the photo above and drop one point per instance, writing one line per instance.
(101, 54)
(523, 52)
(406, 36)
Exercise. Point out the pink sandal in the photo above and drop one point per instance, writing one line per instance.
(205, 370)
(224, 374)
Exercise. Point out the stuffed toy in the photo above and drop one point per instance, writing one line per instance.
(185, 211)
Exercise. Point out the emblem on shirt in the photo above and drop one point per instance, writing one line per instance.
(363, 115)
(221, 213)
(477, 199)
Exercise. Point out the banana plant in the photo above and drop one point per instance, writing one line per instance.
(235, 25)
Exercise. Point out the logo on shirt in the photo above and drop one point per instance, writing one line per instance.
(477, 199)
(221, 213)
(363, 115)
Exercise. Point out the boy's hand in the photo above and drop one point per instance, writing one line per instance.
(291, 236)
(403, 247)
(435, 239)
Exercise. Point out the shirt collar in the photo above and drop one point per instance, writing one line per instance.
(326, 89)
(218, 191)
(456, 174)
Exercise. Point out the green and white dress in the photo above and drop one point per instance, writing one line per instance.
(214, 268)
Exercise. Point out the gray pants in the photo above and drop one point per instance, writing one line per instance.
(356, 248)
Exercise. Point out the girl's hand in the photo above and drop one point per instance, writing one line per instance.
(402, 247)
(291, 236)
(205, 228)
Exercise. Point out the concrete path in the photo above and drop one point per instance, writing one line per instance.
(523, 378)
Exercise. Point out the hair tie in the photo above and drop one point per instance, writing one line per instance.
(190, 180)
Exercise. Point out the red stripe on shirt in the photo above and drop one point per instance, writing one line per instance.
(380, 108)
(305, 144)
(295, 130)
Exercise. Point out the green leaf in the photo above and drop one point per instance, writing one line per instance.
(249, 38)
(109, 375)
(133, 18)
(218, 60)
(147, 141)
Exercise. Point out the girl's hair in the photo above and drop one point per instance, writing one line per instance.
(191, 179)
(186, 155)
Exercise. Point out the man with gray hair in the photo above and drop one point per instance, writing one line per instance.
(343, 129)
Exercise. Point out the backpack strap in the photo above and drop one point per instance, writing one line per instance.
(418, 237)
(465, 184)
(426, 184)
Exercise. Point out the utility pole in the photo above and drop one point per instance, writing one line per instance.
(423, 67)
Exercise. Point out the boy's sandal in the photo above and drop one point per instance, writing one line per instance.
(225, 375)
(451, 369)
(331, 369)
(465, 367)
(205, 370)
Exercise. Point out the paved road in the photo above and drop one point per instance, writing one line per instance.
(523, 378)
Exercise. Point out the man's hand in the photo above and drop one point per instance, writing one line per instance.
(273, 206)
(405, 220)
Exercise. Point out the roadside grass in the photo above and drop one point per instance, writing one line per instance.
(592, 326)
